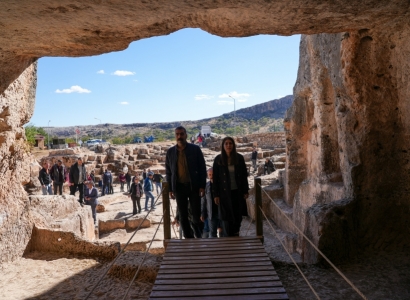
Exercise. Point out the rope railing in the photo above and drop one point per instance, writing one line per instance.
(122, 250)
(314, 246)
(143, 259)
(294, 262)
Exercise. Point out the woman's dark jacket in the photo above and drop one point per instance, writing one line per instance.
(133, 190)
(222, 187)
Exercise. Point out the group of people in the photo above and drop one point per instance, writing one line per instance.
(202, 207)
(268, 167)
(78, 180)
(200, 140)
(221, 202)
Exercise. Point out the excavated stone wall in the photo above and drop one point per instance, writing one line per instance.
(269, 140)
(348, 171)
(347, 132)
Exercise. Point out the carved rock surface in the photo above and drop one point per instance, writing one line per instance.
(348, 148)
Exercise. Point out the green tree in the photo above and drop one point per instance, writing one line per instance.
(31, 131)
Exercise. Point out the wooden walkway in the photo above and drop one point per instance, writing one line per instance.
(224, 268)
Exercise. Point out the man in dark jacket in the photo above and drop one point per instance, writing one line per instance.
(186, 175)
(209, 210)
(77, 179)
(58, 173)
(268, 167)
(128, 179)
(107, 181)
(254, 157)
(45, 179)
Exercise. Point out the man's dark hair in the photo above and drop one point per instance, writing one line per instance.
(224, 157)
(181, 128)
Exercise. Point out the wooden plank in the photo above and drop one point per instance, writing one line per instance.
(218, 265)
(230, 252)
(177, 294)
(213, 245)
(215, 270)
(171, 249)
(217, 275)
(214, 256)
(201, 281)
(225, 286)
(228, 297)
(217, 260)
(214, 240)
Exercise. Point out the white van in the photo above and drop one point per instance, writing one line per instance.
(206, 131)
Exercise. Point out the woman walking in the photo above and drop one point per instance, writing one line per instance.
(135, 192)
(230, 187)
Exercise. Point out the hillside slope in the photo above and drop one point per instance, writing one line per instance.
(264, 117)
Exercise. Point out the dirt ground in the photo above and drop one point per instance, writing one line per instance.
(64, 278)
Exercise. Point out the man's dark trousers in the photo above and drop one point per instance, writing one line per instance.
(80, 189)
(60, 188)
(183, 194)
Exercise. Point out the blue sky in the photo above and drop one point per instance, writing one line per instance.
(186, 75)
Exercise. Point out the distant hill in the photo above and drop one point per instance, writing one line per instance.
(264, 117)
(272, 109)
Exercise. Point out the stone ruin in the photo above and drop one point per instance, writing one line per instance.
(346, 180)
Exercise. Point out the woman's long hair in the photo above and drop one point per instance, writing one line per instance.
(224, 156)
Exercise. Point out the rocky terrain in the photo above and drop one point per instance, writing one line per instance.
(263, 117)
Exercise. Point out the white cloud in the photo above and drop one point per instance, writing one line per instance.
(73, 89)
(203, 97)
(123, 73)
(124, 103)
(101, 72)
(240, 97)
(224, 102)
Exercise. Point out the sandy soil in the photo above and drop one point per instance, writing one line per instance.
(63, 279)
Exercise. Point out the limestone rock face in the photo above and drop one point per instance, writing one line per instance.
(16, 109)
(347, 170)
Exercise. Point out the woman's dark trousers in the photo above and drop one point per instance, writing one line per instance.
(136, 201)
(231, 228)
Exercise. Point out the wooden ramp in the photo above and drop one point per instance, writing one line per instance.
(224, 268)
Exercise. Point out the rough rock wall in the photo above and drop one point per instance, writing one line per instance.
(16, 109)
(348, 171)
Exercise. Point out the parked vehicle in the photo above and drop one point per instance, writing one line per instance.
(149, 139)
(137, 140)
(206, 131)
(93, 142)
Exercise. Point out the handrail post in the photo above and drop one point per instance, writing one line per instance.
(165, 211)
(258, 203)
